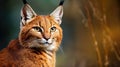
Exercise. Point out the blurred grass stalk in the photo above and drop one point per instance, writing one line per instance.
(108, 42)
(94, 37)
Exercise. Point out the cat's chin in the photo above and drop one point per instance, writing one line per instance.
(49, 46)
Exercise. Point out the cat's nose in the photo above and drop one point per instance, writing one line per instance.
(46, 39)
(46, 36)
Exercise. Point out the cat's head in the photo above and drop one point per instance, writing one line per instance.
(40, 31)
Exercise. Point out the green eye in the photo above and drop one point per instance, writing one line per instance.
(39, 29)
(53, 29)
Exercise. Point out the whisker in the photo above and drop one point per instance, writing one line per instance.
(61, 50)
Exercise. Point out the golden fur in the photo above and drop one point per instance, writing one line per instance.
(19, 52)
(39, 38)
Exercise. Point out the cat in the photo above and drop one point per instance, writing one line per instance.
(39, 38)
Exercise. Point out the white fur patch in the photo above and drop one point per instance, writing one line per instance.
(52, 46)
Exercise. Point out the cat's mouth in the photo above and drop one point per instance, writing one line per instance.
(49, 44)
(45, 42)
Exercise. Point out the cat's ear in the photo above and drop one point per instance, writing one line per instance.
(27, 13)
(58, 14)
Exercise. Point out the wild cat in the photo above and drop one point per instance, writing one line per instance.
(38, 40)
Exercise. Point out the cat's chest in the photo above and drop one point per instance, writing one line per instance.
(27, 59)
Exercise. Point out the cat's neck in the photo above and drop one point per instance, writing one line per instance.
(47, 57)
(39, 57)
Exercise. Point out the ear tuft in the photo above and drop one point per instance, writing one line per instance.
(24, 1)
(27, 13)
(58, 14)
(61, 2)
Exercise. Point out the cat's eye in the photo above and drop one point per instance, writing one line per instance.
(53, 29)
(39, 29)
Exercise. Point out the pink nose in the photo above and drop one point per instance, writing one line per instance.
(46, 36)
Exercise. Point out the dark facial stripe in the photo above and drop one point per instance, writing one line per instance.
(25, 34)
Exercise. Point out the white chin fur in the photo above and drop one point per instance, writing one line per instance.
(36, 43)
(52, 46)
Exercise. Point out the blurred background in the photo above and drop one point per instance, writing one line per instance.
(91, 30)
